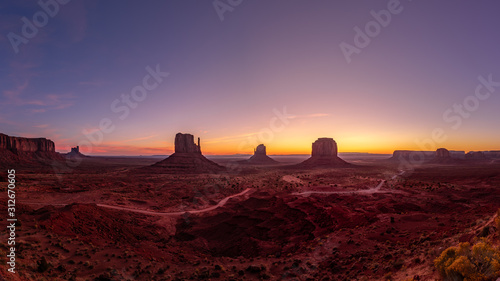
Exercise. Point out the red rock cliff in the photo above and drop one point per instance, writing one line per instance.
(18, 144)
(324, 147)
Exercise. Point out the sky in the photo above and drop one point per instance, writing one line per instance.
(123, 77)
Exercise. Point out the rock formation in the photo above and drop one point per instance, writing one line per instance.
(260, 150)
(184, 143)
(475, 155)
(75, 153)
(492, 154)
(444, 156)
(21, 150)
(259, 157)
(442, 153)
(187, 158)
(324, 147)
(324, 154)
(412, 156)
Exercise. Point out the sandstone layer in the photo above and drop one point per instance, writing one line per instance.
(19, 150)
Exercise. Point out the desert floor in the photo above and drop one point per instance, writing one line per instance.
(106, 219)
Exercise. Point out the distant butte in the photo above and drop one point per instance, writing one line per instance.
(187, 158)
(75, 153)
(259, 157)
(324, 154)
(442, 153)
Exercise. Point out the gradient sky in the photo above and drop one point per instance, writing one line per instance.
(227, 78)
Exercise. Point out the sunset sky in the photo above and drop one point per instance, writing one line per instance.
(268, 72)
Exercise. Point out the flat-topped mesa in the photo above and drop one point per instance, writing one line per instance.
(413, 156)
(21, 150)
(184, 143)
(187, 158)
(19, 144)
(443, 153)
(475, 155)
(324, 147)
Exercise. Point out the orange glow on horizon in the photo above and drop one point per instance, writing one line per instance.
(290, 148)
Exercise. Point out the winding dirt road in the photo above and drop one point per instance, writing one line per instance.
(376, 189)
(154, 213)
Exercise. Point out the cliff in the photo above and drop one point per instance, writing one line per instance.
(18, 144)
(324, 147)
(412, 156)
(19, 150)
(184, 143)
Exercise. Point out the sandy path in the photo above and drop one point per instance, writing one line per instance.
(154, 213)
(376, 189)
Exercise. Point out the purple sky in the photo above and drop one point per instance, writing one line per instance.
(228, 78)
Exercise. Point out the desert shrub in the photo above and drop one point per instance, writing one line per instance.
(465, 263)
(43, 265)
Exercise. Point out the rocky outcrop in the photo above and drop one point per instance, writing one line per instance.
(187, 158)
(260, 150)
(259, 157)
(324, 154)
(324, 147)
(18, 144)
(75, 153)
(412, 156)
(444, 156)
(19, 150)
(475, 155)
(443, 153)
(184, 143)
(492, 154)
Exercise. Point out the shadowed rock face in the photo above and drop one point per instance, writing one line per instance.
(18, 144)
(260, 150)
(184, 143)
(259, 157)
(475, 155)
(187, 158)
(324, 147)
(412, 156)
(75, 152)
(442, 153)
(75, 149)
(324, 154)
(20, 150)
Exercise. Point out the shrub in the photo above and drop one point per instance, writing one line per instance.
(43, 265)
(466, 263)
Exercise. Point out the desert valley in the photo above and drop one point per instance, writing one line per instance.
(187, 217)
(241, 140)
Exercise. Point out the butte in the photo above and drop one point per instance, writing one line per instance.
(187, 158)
